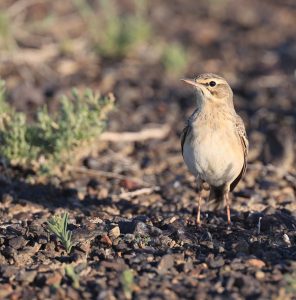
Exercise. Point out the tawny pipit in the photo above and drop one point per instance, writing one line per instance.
(214, 142)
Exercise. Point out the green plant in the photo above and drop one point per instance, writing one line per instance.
(58, 226)
(7, 39)
(114, 34)
(174, 59)
(290, 280)
(127, 282)
(70, 272)
(142, 240)
(47, 144)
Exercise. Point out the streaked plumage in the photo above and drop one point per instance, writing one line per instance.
(214, 142)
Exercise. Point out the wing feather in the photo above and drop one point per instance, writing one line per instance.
(241, 131)
(185, 133)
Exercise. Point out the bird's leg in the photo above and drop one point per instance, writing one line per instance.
(227, 203)
(198, 190)
(198, 209)
(228, 213)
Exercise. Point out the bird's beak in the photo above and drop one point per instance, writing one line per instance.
(192, 82)
(199, 86)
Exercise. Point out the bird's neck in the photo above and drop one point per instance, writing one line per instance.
(213, 106)
(212, 111)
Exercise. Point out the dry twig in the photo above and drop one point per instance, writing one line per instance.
(140, 192)
(142, 135)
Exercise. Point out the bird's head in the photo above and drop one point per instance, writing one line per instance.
(212, 88)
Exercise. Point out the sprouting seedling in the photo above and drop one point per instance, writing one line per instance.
(127, 282)
(58, 226)
(70, 272)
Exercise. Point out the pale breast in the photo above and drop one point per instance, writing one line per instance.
(213, 152)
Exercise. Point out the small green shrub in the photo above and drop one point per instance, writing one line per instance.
(127, 282)
(174, 59)
(114, 34)
(58, 226)
(47, 144)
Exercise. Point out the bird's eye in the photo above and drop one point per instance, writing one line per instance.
(212, 83)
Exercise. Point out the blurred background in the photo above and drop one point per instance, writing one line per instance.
(140, 49)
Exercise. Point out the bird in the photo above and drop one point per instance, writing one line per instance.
(214, 142)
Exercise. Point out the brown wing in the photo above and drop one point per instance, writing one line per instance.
(241, 131)
(186, 131)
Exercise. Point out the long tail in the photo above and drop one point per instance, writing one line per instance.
(216, 198)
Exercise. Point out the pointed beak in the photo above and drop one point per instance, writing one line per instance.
(191, 82)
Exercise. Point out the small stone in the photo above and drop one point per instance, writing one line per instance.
(141, 229)
(129, 237)
(8, 271)
(54, 279)
(257, 263)
(106, 240)
(221, 249)
(241, 246)
(5, 290)
(287, 240)
(208, 244)
(129, 184)
(26, 276)
(7, 199)
(42, 240)
(9, 252)
(260, 275)
(85, 246)
(216, 262)
(2, 260)
(17, 242)
(166, 263)
(114, 232)
(188, 265)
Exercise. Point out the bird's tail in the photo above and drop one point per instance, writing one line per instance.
(216, 198)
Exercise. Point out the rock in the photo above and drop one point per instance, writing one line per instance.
(5, 290)
(17, 242)
(9, 252)
(54, 278)
(24, 257)
(216, 262)
(135, 227)
(114, 232)
(255, 262)
(241, 246)
(8, 271)
(106, 240)
(2, 260)
(141, 229)
(166, 263)
(26, 277)
(129, 184)
(260, 275)
(188, 265)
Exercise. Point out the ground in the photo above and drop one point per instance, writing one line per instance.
(132, 204)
